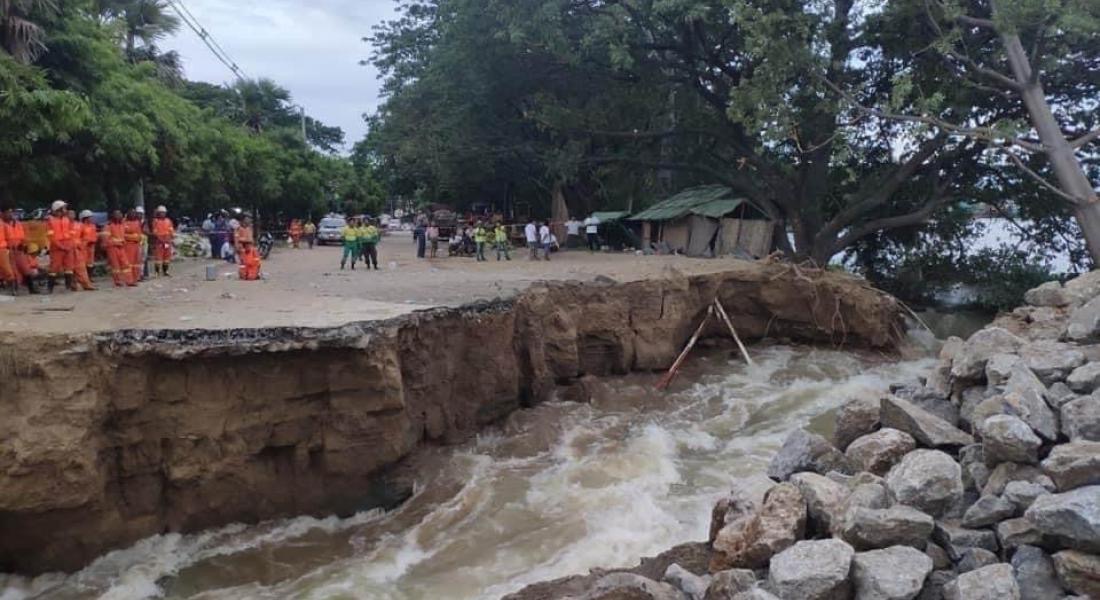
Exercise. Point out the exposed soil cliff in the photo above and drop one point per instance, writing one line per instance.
(109, 438)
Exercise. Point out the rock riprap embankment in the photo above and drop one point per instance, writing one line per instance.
(981, 481)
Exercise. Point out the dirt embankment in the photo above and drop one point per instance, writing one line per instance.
(113, 437)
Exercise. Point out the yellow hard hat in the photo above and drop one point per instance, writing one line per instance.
(32, 248)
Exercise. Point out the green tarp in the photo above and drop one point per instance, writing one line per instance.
(714, 201)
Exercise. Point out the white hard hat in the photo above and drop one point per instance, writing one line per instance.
(162, 209)
(140, 210)
(85, 214)
(57, 205)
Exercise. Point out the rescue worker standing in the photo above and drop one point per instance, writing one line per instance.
(295, 232)
(310, 231)
(117, 258)
(7, 271)
(350, 234)
(59, 231)
(15, 237)
(250, 262)
(500, 240)
(89, 235)
(369, 239)
(133, 236)
(481, 236)
(80, 263)
(164, 234)
(243, 235)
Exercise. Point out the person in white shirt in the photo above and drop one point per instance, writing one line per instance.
(592, 230)
(545, 240)
(572, 233)
(531, 232)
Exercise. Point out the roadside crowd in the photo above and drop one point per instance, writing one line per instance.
(475, 239)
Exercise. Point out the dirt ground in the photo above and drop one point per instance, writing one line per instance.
(306, 288)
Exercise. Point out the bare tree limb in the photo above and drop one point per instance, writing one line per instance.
(1086, 139)
(977, 22)
(1039, 178)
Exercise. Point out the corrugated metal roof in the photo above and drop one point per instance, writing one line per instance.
(712, 201)
(611, 215)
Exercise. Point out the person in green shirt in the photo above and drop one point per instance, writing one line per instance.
(351, 243)
(500, 240)
(369, 237)
(481, 237)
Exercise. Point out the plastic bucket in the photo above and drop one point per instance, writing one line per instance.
(211, 272)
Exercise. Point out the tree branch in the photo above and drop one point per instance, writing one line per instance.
(1086, 139)
(1039, 178)
(977, 22)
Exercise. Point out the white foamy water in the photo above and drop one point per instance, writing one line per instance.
(554, 491)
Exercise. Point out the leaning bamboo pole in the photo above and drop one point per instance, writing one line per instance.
(667, 379)
(729, 323)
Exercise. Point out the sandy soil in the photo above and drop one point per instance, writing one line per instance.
(306, 288)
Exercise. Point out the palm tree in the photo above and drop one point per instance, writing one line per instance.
(260, 103)
(141, 21)
(20, 35)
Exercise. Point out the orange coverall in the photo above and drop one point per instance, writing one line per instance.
(163, 234)
(7, 273)
(132, 236)
(250, 263)
(89, 235)
(62, 255)
(16, 236)
(116, 255)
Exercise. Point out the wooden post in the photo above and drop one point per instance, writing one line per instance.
(736, 338)
(667, 379)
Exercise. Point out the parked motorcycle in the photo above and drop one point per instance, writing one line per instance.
(265, 244)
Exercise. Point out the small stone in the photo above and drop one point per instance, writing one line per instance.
(1073, 465)
(1081, 419)
(975, 558)
(1035, 574)
(1023, 493)
(1084, 379)
(955, 539)
(727, 584)
(999, 368)
(1071, 517)
(1006, 438)
(879, 451)
(824, 499)
(1025, 395)
(1013, 533)
(629, 585)
(975, 476)
(746, 496)
(895, 573)
(933, 586)
(1084, 322)
(1006, 472)
(805, 451)
(686, 581)
(1051, 361)
(988, 510)
(753, 539)
(813, 570)
(940, 559)
(756, 593)
(1058, 394)
(970, 361)
(928, 480)
(995, 582)
(1078, 572)
(899, 525)
(869, 495)
(925, 427)
(856, 417)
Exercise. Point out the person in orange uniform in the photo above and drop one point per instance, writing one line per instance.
(244, 235)
(26, 264)
(295, 232)
(7, 271)
(89, 236)
(16, 237)
(250, 262)
(164, 235)
(133, 236)
(59, 231)
(116, 251)
(80, 262)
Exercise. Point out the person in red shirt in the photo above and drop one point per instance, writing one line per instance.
(163, 239)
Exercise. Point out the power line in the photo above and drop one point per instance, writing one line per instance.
(207, 38)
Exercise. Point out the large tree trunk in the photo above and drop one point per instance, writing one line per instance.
(1071, 175)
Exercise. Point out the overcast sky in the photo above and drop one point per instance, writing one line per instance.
(312, 48)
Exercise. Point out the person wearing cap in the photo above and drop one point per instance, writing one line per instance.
(59, 232)
(80, 263)
(26, 265)
(133, 237)
(89, 235)
(121, 272)
(164, 234)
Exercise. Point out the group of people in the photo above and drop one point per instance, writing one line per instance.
(541, 239)
(234, 240)
(361, 236)
(71, 242)
(297, 232)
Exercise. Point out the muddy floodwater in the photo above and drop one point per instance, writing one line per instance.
(553, 491)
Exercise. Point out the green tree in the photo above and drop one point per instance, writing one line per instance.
(21, 33)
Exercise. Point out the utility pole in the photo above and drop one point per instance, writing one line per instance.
(302, 112)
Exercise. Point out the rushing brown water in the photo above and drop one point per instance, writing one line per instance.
(556, 490)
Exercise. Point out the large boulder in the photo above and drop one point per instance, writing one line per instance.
(1083, 288)
(971, 359)
(1073, 465)
(1026, 396)
(1014, 533)
(1084, 322)
(725, 585)
(805, 451)
(1035, 574)
(1084, 379)
(813, 570)
(824, 499)
(899, 525)
(692, 585)
(1023, 493)
(995, 582)
(988, 510)
(746, 495)
(856, 417)
(926, 428)
(1050, 294)
(1006, 473)
(879, 451)
(1081, 419)
(1006, 438)
(750, 541)
(956, 539)
(935, 584)
(974, 559)
(928, 480)
(1071, 517)
(630, 585)
(1051, 361)
(895, 573)
(1058, 394)
(1079, 572)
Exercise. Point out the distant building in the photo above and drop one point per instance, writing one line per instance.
(707, 221)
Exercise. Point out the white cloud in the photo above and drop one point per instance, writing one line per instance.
(311, 47)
